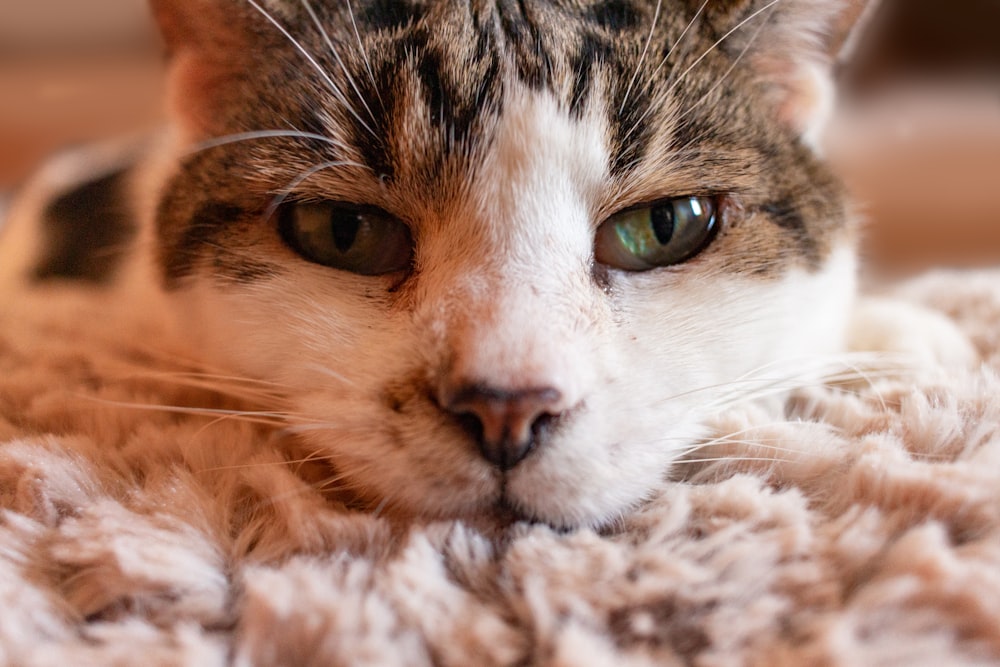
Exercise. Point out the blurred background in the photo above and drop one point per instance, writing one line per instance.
(72, 71)
(918, 138)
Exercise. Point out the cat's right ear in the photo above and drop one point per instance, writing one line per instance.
(208, 45)
(793, 45)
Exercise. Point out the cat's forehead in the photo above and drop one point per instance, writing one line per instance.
(421, 86)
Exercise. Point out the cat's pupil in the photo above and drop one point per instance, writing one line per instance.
(662, 218)
(344, 229)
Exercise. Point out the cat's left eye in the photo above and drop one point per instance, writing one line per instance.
(363, 240)
(668, 232)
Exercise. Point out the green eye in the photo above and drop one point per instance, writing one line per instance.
(669, 232)
(362, 240)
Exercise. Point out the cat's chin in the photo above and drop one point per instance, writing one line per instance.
(493, 511)
(491, 518)
(506, 513)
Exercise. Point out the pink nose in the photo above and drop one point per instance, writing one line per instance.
(504, 423)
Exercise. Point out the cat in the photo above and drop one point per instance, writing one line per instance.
(503, 257)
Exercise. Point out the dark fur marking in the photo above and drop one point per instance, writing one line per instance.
(375, 145)
(593, 52)
(210, 219)
(785, 214)
(455, 107)
(689, 132)
(630, 130)
(533, 61)
(439, 94)
(86, 231)
(677, 625)
(614, 15)
(240, 269)
(451, 106)
(390, 14)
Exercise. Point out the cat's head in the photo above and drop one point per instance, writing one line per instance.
(505, 255)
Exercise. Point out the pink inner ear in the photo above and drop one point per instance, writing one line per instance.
(809, 101)
(178, 21)
(199, 94)
(797, 56)
(192, 24)
(209, 53)
(801, 89)
(852, 19)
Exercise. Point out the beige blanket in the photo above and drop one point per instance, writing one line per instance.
(848, 525)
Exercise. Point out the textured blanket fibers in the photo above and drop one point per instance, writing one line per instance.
(857, 525)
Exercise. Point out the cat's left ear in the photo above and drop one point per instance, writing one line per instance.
(210, 50)
(796, 49)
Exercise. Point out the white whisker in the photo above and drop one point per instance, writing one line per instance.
(731, 459)
(330, 483)
(229, 386)
(680, 39)
(260, 464)
(364, 54)
(756, 444)
(642, 57)
(302, 178)
(214, 377)
(670, 51)
(252, 416)
(313, 426)
(725, 75)
(377, 512)
(329, 372)
(730, 438)
(718, 42)
(336, 55)
(312, 61)
(238, 137)
(680, 79)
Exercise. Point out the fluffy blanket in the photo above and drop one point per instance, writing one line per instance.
(856, 524)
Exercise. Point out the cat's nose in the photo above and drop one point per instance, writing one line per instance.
(505, 423)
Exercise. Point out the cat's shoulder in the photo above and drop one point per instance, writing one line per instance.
(922, 338)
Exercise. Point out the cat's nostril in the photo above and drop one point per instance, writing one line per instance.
(504, 423)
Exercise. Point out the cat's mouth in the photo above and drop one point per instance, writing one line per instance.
(489, 518)
(502, 515)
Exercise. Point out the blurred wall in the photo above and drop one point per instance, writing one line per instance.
(72, 71)
(70, 25)
(918, 134)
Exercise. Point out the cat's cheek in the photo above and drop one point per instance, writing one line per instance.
(692, 348)
(406, 474)
(289, 328)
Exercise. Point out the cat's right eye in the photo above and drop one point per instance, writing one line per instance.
(668, 232)
(363, 240)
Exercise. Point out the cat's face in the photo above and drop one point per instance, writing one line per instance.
(503, 255)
